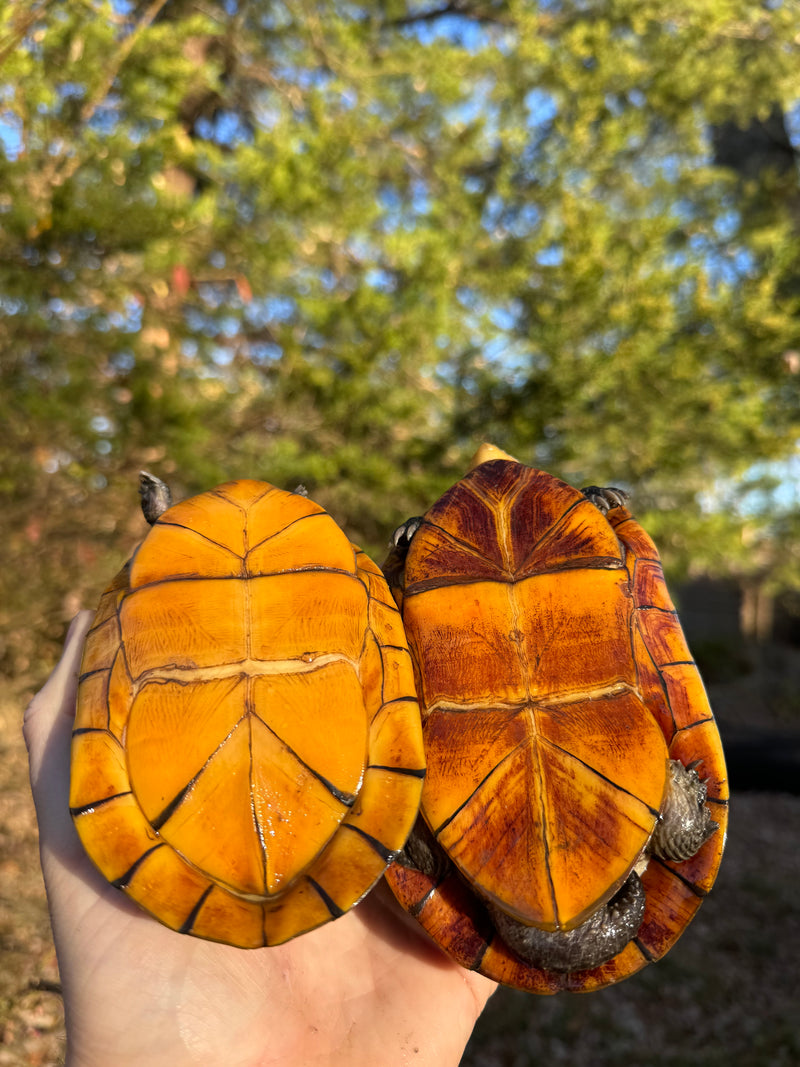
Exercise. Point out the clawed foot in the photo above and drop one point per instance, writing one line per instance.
(685, 823)
(604, 499)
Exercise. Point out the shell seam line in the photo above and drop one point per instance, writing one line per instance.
(391, 608)
(447, 707)
(409, 698)
(550, 701)
(189, 922)
(590, 563)
(83, 809)
(544, 822)
(416, 908)
(126, 878)
(311, 569)
(300, 518)
(250, 668)
(634, 629)
(692, 886)
(347, 800)
(615, 785)
(157, 822)
(410, 772)
(518, 623)
(478, 961)
(93, 730)
(330, 904)
(268, 487)
(692, 725)
(552, 530)
(248, 599)
(458, 542)
(259, 829)
(480, 785)
(502, 525)
(386, 854)
(177, 800)
(492, 499)
(93, 672)
(197, 533)
(645, 951)
(577, 696)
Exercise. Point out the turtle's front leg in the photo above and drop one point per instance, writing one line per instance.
(605, 498)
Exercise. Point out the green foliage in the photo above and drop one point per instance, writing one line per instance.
(340, 244)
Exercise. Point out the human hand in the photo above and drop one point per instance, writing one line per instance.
(368, 988)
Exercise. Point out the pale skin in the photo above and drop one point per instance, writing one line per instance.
(368, 989)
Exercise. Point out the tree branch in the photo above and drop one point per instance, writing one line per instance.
(26, 19)
(455, 7)
(71, 164)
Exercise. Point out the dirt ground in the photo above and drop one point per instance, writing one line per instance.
(726, 994)
(31, 1014)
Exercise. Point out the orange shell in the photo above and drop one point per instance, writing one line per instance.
(247, 754)
(555, 682)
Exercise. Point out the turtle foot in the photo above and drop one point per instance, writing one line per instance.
(685, 822)
(604, 499)
(422, 853)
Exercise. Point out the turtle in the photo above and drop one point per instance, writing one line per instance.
(247, 750)
(574, 809)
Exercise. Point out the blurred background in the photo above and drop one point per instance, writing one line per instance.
(340, 244)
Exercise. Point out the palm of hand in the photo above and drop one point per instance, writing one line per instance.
(366, 989)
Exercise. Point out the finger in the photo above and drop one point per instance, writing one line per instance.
(47, 728)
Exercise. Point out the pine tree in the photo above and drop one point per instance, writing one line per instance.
(340, 244)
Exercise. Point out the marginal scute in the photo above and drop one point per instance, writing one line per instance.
(386, 790)
(118, 833)
(101, 644)
(100, 770)
(93, 701)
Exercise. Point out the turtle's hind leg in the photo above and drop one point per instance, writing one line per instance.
(685, 822)
(595, 941)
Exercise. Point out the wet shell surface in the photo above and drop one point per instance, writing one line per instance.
(557, 693)
(247, 752)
